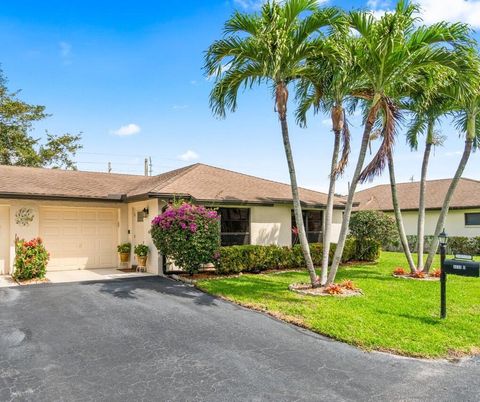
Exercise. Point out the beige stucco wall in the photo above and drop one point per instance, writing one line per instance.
(270, 225)
(154, 263)
(32, 230)
(454, 225)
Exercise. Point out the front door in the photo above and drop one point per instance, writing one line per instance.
(139, 230)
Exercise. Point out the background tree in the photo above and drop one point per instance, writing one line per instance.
(270, 47)
(18, 147)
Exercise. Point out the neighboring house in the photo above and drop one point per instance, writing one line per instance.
(82, 216)
(463, 217)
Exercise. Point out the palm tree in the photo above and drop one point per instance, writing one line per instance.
(427, 106)
(270, 48)
(390, 52)
(328, 87)
(466, 97)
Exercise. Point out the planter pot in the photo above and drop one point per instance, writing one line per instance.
(124, 257)
(142, 261)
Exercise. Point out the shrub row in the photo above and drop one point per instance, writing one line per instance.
(456, 245)
(255, 258)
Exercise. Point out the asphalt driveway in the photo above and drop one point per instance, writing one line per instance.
(155, 339)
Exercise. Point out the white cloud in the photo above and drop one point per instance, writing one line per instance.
(65, 52)
(179, 107)
(249, 4)
(327, 122)
(467, 11)
(188, 156)
(129, 129)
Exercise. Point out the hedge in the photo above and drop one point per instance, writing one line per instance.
(256, 258)
(456, 245)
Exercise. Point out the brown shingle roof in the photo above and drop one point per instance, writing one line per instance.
(202, 182)
(467, 195)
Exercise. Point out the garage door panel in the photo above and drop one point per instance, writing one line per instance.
(78, 239)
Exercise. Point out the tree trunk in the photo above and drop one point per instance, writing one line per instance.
(337, 258)
(297, 208)
(398, 214)
(446, 202)
(329, 209)
(421, 198)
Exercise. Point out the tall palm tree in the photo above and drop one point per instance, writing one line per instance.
(466, 97)
(427, 106)
(328, 88)
(270, 47)
(391, 52)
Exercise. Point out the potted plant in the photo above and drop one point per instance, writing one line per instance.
(124, 251)
(141, 251)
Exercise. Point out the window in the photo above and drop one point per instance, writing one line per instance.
(472, 219)
(313, 221)
(140, 216)
(235, 226)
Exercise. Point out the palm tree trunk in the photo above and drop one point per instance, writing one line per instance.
(337, 258)
(398, 214)
(421, 201)
(297, 208)
(329, 209)
(446, 202)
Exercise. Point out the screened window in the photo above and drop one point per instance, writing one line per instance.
(313, 221)
(235, 226)
(472, 219)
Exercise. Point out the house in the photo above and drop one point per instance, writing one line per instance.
(463, 218)
(83, 216)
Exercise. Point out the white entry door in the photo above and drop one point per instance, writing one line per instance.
(79, 238)
(4, 240)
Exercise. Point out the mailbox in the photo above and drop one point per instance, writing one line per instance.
(462, 267)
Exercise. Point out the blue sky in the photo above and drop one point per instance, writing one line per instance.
(128, 76)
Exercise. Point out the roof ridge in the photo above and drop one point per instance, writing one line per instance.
(68, 171)
(259, 178)
(414, 182)
(182, 171)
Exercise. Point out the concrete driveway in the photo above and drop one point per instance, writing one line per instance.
(154, 339)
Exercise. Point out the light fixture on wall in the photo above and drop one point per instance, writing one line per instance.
(145, 211)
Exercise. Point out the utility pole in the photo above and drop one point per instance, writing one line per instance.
(150, 165)
(109, 167)
(146, 167)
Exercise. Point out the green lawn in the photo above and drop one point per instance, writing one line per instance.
(396, 315)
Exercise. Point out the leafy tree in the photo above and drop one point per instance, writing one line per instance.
(391, 52)
(268, 48)
(18, 147)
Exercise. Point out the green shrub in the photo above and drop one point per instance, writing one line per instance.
(141, 250)
(124, 248)
(31, 259)
(373, 225)
(256, 258)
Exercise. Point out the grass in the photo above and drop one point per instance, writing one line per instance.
(395, 315)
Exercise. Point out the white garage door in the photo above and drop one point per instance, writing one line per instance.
(79, 238)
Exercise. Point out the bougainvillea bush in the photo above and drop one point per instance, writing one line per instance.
(188, 234)
(31, 259)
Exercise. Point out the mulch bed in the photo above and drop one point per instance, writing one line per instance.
(408, 276)
(306, 289)
(32, 281)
